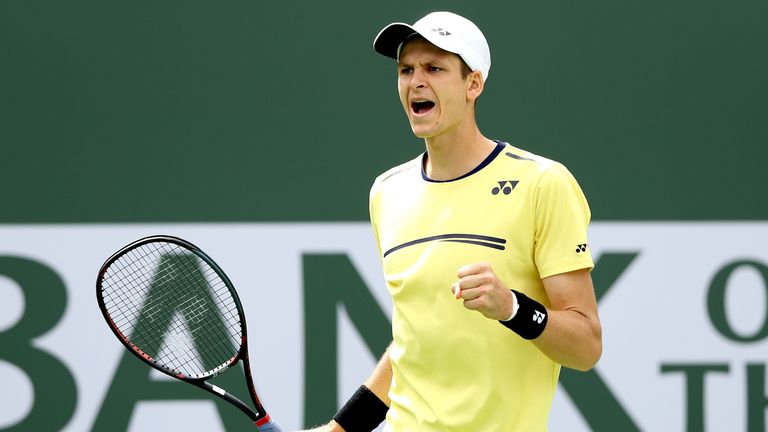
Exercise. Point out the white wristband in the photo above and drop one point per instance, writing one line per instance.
(515, 307)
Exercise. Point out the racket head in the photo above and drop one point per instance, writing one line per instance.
(173, 307)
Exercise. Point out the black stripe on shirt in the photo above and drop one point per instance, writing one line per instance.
(476, 239)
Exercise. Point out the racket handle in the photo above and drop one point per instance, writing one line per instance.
(270, 426)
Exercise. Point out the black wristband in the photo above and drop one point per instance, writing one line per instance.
(531, 317)
(363, 412)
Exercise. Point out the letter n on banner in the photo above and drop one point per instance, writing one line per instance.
(332, 280)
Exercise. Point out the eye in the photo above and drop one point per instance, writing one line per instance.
(435, 69)
(405, 71)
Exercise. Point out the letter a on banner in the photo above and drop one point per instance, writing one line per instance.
(132, 382)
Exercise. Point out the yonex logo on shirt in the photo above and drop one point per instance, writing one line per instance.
(581, 248)
(503, 187)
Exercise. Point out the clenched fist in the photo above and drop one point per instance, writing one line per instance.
(482, 291)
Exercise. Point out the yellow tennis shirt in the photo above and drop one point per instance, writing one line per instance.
(454, 369)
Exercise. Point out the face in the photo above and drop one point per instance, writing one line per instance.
(433, 92)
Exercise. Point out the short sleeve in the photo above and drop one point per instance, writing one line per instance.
(562, 218)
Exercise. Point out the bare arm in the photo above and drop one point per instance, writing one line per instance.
(378, 382)
(573, 336)
(381, 378)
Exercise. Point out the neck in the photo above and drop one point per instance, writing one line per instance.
(455, 153)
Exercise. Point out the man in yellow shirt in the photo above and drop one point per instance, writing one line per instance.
(484, 251)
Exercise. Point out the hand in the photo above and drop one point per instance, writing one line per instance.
(482, 291)
(332, 426)
(270, 426)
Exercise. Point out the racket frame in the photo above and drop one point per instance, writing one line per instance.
(258, 416)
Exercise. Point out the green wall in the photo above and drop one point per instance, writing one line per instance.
(264, 111)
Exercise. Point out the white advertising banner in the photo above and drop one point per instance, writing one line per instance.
(684, 309)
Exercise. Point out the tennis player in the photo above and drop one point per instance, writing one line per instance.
(484, 251)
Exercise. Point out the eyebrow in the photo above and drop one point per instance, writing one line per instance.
(430, 62)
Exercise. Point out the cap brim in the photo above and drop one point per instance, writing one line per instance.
(390, 37)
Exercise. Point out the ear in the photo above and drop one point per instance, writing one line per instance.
(475, 85)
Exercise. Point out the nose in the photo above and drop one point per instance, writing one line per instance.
(418, 79)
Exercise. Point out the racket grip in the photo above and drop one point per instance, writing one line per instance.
(270, 426)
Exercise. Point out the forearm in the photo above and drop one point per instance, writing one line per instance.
(570, 331)
(381, 379)
(572, 339)
(378, 383)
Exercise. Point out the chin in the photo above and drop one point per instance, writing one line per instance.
(423, 132)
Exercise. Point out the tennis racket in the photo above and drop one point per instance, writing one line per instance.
(175, 309)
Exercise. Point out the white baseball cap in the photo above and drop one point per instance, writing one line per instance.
(447, 31)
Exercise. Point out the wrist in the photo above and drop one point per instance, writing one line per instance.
(364, 411)
(530, 318)
(515, 306)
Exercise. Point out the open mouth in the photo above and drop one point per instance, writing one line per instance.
(422, 107)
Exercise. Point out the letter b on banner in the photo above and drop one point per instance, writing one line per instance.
(45, 296)
(716, 301)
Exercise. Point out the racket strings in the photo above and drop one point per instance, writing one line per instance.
(174, 307)
(179, 279)
(184, 281)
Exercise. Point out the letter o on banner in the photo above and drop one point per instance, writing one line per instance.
(716, 301)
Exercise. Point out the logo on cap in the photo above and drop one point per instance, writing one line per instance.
(441, 31)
